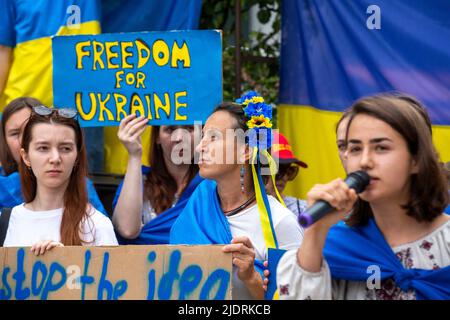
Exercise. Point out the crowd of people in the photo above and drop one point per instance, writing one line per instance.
(216, 192)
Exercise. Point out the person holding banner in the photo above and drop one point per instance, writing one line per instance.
(396, 242)
(14, 118)
(53, 170)
(231, 206)
(149, 200)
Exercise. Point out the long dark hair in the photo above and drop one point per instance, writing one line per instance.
(75, 197)
(160, 187)
(428, 188)
(6, 158)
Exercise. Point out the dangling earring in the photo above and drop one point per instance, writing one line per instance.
(242, 171)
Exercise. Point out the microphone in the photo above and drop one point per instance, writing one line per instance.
(357, 180)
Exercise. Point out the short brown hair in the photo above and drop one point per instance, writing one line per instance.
(407, 116)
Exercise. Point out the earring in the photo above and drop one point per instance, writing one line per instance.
(242, 171)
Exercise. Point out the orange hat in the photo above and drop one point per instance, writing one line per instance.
(282, 151)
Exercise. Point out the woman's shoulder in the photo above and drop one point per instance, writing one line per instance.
(439, 235)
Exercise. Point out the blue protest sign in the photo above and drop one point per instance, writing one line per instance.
(170, 77)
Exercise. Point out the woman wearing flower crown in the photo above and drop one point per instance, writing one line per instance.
(231, 207)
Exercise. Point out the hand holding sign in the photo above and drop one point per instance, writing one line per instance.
(244, 259)
(130, 131)
(43, 246)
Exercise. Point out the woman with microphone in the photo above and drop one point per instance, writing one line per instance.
(395, 244)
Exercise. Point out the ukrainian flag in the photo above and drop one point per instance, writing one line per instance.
(334, 52)
(27, 26)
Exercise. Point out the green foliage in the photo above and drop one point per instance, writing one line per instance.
(260, 52)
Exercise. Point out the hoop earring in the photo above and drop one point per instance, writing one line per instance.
(242, 172)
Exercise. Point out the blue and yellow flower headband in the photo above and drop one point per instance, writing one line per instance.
(259, 123)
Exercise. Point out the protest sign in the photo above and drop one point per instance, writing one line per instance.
(170, 77)
(110, 273)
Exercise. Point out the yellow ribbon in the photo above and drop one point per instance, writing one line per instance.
(263, 214)
(272, 168)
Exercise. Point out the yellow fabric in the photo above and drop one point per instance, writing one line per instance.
(276, 295)
(115, 154)
(269, 238)
(31, 72)
(311, 134)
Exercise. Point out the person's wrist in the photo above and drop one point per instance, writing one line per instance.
(253, 279)
(318, 230)
(135, 154)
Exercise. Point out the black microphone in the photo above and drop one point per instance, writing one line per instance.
(357, 180)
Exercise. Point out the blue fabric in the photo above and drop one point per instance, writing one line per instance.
(447, 210)
(329, 57)
(7, 34)
(149, 15)
(11, 192)
(350, 251)
(203, 222)
(157, 231)
(20, 19)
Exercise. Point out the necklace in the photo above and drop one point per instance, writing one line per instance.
(241, 207)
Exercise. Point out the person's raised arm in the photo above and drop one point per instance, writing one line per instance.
(5, 65)
(128, 211)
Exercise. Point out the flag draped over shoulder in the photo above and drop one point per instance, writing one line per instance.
(365, 246)
(157, 230)
(203, 221)
(350, 251)
(334, 52)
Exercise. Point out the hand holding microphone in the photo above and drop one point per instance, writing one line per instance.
(338, 195)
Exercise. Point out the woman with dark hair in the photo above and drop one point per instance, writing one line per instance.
(395, 244)
(150, 199)
(53, 170)
(231, 207)
(14, 117)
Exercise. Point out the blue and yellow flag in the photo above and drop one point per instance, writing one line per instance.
(334, 52)
(27, 26)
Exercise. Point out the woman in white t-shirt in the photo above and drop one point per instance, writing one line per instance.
(53, 168)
